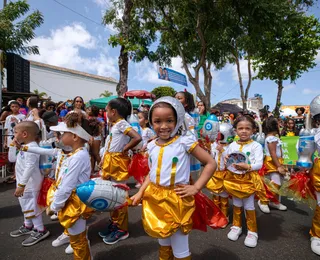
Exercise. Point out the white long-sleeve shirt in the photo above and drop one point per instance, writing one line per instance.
(27, 170)
(77, 169)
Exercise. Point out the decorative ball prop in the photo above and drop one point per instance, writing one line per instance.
(237, 157)
(315, 106)
(102, 195)
(306, 148)
(211, 128)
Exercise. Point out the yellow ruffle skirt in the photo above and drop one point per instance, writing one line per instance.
(215, 184)
(270, 167)
(243, 185)
(315, 175)
(164, 212)
(72, 210)
(115, 166)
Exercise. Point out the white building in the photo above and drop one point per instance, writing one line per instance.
(254, 103)
(62, 84)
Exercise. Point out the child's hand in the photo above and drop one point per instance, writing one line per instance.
(136, 199)
(19, 192)
(282, 170)
(49, 212)
(241, 166)
(186, 190)
(16, 144)
(226, 159)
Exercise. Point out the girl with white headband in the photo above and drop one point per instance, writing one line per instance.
(168, 199)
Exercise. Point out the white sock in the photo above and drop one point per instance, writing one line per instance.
(38, 223)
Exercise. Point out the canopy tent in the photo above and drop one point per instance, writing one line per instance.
(142, 94)
(223, 107)
(103, 102)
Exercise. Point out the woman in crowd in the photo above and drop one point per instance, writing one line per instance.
(78, 106)
(203, 114)
(290, 128)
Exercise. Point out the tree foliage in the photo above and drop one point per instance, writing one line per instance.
(290, 52)
(16, 31)
(163, 91)
(106, 93)
(40, 94)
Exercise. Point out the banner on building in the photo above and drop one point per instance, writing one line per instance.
(172, 75)
(294, 107)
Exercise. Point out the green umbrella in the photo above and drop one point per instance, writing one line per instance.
(103, 102)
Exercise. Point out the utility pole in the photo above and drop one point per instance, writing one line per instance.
(4, 3)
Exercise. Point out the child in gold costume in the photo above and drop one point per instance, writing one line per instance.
(115, 162)
(72, 213)
(168, 201)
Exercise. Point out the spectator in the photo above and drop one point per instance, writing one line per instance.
(65, 109)
(203, 113)
(23, 108)
(299, 119)
(79, 106)
(50, 106)
(290, 128)
(6, 111)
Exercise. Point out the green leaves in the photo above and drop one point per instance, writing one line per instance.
(15, 36)
(163, 91)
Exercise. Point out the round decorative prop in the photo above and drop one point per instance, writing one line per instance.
(237, 157)
(211, 128)
(315, 106)
(102, 195)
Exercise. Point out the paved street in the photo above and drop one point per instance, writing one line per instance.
(282, 235)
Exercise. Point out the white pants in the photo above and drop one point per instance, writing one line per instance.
(179, 243)
(276, 178)
(318, 198)
(247, 203)
(222, 194)
(78, 227)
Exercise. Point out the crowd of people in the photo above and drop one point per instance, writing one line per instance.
(89, 142)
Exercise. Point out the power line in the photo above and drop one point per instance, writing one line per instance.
(48, 89)
(83, 16)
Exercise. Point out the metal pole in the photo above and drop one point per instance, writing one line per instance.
(4, 3)
(1, 70)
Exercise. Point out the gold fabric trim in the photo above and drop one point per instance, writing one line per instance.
(193, 146)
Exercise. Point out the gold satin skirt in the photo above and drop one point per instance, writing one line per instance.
(315, 175)
(51, 192)
(115, 166)
(73, 210)
(243, 185)
(215, 184)
(164, 212)
(270, 165)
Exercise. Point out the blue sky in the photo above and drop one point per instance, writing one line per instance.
(68, 40)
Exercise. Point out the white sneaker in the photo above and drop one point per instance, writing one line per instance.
(226, 224)
(61, 240)
(263, 208)
(69, 250)
(54, 217)
(251, 239)
(315, 245)
(234, 233)
(278, 206)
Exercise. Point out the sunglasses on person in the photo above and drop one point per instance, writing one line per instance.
(79, 101)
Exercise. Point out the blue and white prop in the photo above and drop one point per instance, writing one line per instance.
(133, 120)
(102, 195)
(210, 128)
(196, 118)
(306, 146)
(45, 160)
(236, 157)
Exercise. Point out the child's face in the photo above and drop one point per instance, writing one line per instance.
(181, 98)
(14, 108)
(291, 124)
(163, 122)
(19, 134)
(142, 120)
(67, 138)
(244, 130)
(111, 114)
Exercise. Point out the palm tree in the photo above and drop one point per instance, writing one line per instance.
(106, 93)
(40, 94)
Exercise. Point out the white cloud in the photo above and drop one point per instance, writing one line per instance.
(102, 3)
(289, 87)
(308, 91)
(63, 48)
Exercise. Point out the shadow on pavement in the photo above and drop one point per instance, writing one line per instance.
(266, 233)
(216, 254)
(11, 212)
(125, 251)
